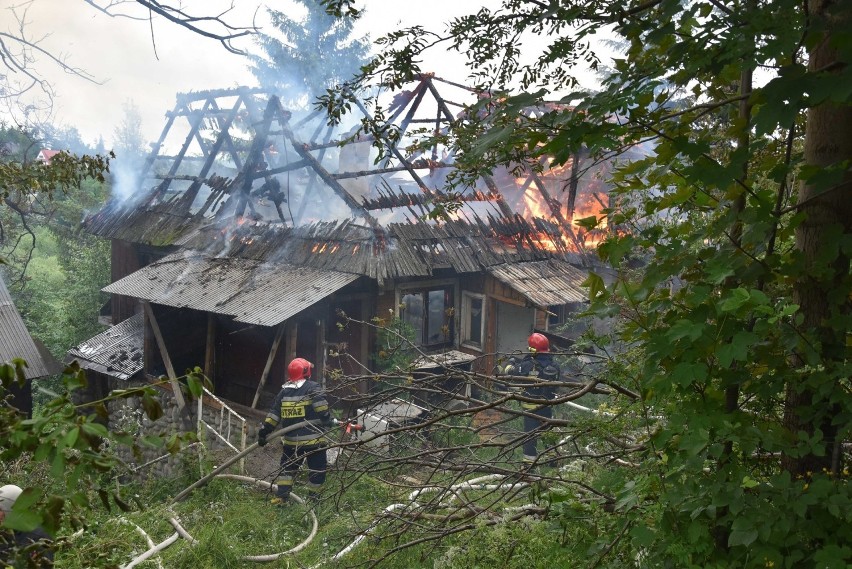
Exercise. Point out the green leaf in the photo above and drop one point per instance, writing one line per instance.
(642, 535)
(95, 429)
(614, 249)
(742, 537)
(152, 407)
(737, 350)
(152, 441)
(595, 284)
(738, 297)
(749, 482)
(101, 411)
(195, 385)
(22, 520)
(684, 328)
(52, 518)
(70, 437)
(588, 223)
(173, 444)
(686, 373)
(57, 468)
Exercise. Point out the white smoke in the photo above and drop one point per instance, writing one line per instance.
(125, 178)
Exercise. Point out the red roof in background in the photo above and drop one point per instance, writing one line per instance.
(44, 155)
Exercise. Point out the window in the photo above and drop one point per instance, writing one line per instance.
(430, 313)
(555, 316)
(473, 319)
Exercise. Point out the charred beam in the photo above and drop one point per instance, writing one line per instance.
(288, 168)
(326, 177)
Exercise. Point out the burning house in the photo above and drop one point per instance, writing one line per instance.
(244, 248)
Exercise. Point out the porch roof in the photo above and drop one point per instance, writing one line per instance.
(116, 352)
(251, 291)
(543, 283)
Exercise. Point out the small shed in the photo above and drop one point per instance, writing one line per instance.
(16, 342)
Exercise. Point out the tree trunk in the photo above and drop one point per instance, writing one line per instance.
(822, 288)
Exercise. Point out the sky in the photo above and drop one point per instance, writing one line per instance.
(121, 56)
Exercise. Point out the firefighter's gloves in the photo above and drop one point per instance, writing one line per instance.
(262, 434)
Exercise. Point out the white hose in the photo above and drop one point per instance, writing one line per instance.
(147, 537)
(291, 551)
(472, 484)
(154, 550)
(180, 531)
(588, 410)
(362, 536)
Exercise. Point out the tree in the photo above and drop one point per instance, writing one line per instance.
(79, 450)
(739, 319)
(310, 55)
(127, 136)
(28, 188)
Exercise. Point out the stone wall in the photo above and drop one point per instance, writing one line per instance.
(127, 414)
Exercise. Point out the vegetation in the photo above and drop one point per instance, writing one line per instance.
(723, 438)
(305, 57)
(69, 452)
(740, 217)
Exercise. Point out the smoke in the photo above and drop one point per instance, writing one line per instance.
(126, 177)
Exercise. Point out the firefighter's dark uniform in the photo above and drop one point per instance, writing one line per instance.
(298, 401)
(25, 548)
(543, 368)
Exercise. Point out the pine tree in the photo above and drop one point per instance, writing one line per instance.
(307, 56)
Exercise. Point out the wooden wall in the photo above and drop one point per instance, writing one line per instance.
(123, 261)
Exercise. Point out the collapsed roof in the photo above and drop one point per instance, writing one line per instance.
(254, 181)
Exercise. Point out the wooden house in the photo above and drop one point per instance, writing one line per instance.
(242, 245)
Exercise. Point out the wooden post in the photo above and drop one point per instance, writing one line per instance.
(170, 371)
(320, 365)
(490, 334)
(209, 355)
(292, 332)
(279, 333)
(367, 308)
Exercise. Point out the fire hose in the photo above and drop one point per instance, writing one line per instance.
(219, 471)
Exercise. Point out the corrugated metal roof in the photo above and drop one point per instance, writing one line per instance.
(16, 342)
(250, 291)
(116, 352)
(544, 283)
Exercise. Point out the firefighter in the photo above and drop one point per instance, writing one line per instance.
(541, 367)
(21, 548)
(300, 399)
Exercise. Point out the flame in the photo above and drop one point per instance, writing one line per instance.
(535, 205)
(590, 200)
(588, 205)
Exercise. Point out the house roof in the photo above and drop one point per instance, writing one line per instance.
(543, 283)
(259, 184)
(248, 158)
(16, 342)
(248, 290)
(116, 352)
(45, 155)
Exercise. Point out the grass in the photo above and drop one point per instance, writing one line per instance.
(231, 520)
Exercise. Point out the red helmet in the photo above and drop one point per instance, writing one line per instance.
(298, 369)
(538, 342)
